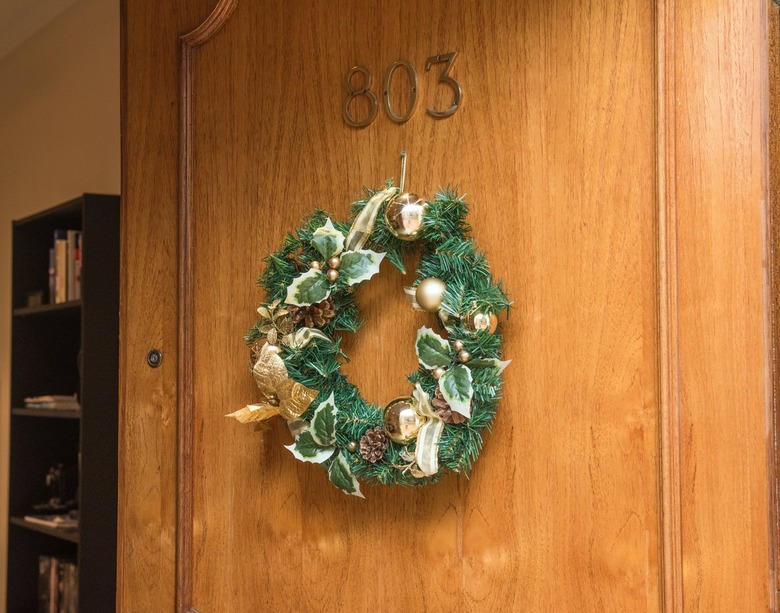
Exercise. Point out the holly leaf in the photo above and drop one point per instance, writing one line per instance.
(455, 386)
(360, 265)
(308, 288)
(327, 240)
(432, 349)
(323, 424)
(306, 449)
(341, 476)
(499, 365)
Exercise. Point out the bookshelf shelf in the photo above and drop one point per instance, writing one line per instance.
(52, 413)
(71, 535)
(63, 307)
(58, 350)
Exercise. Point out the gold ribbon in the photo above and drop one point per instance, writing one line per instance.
(303, 336)
(281, 395)
(426, 453)
(411, 296)
(364, 222)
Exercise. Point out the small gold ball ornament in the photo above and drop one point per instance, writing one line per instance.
(351, 446)
(482, 322)
(464, 356)
(429, 294)
(401, 420)
(315, 265)
(404, 216)
(438, 372)
(333, 274)
(458, 345)
(334, 262)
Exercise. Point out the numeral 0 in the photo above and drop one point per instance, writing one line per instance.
(365, 90)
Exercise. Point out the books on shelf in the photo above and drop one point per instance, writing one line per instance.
(58, 585)
(65, 266)
(63, 403)
(63, 520)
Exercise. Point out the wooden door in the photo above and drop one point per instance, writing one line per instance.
(613, 154)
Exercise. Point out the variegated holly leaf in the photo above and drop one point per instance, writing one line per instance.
(499, 365)
(341, 476)
(455, 386)
(432, 350)
(308, 288)
(327, 240)
(306, 449)
(323, 424)
(360, 265)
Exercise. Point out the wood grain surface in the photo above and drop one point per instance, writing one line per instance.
(773, 57)
(149, 304)
(721, 170)
(563, 205)
(619, 199)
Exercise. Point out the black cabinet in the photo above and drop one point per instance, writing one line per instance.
(66, 348)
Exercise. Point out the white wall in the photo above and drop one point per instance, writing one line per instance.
(59, 137)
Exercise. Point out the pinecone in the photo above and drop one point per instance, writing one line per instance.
(444, 411)
(315, 315)
(373, 444)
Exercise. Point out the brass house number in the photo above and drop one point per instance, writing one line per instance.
(364, 89)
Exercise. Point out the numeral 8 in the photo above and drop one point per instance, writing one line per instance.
(363, 91)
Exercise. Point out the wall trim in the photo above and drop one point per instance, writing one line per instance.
(669, 422)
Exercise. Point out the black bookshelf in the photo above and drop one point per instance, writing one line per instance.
(65, 348)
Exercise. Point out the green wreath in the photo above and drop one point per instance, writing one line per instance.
(296, 355)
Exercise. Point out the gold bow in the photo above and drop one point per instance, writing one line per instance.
(281, 395)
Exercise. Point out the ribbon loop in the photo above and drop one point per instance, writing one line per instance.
(427, 451)
(364, 222)
(303, 336)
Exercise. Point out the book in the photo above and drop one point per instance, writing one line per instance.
(66, 403)
(52, 277)
(69, 587)
(77, 255)
(45, 571)
(71, 264)
(61, 265)
(65, 521)
(58, 590)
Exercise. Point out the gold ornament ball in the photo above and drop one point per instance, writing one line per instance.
(334, 262)
(438, 372)
(458, 345)
(333, 274)
(429, 294)
(352, 446)
(464, 356)
(402, 422)
(482, 322)
(316, 265)
(404, 216)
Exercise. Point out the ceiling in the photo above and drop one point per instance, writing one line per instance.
(21, 19)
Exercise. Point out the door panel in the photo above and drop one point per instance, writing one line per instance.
(578, 420)
(565, 145)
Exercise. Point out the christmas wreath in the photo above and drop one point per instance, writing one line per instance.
(296, 355)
